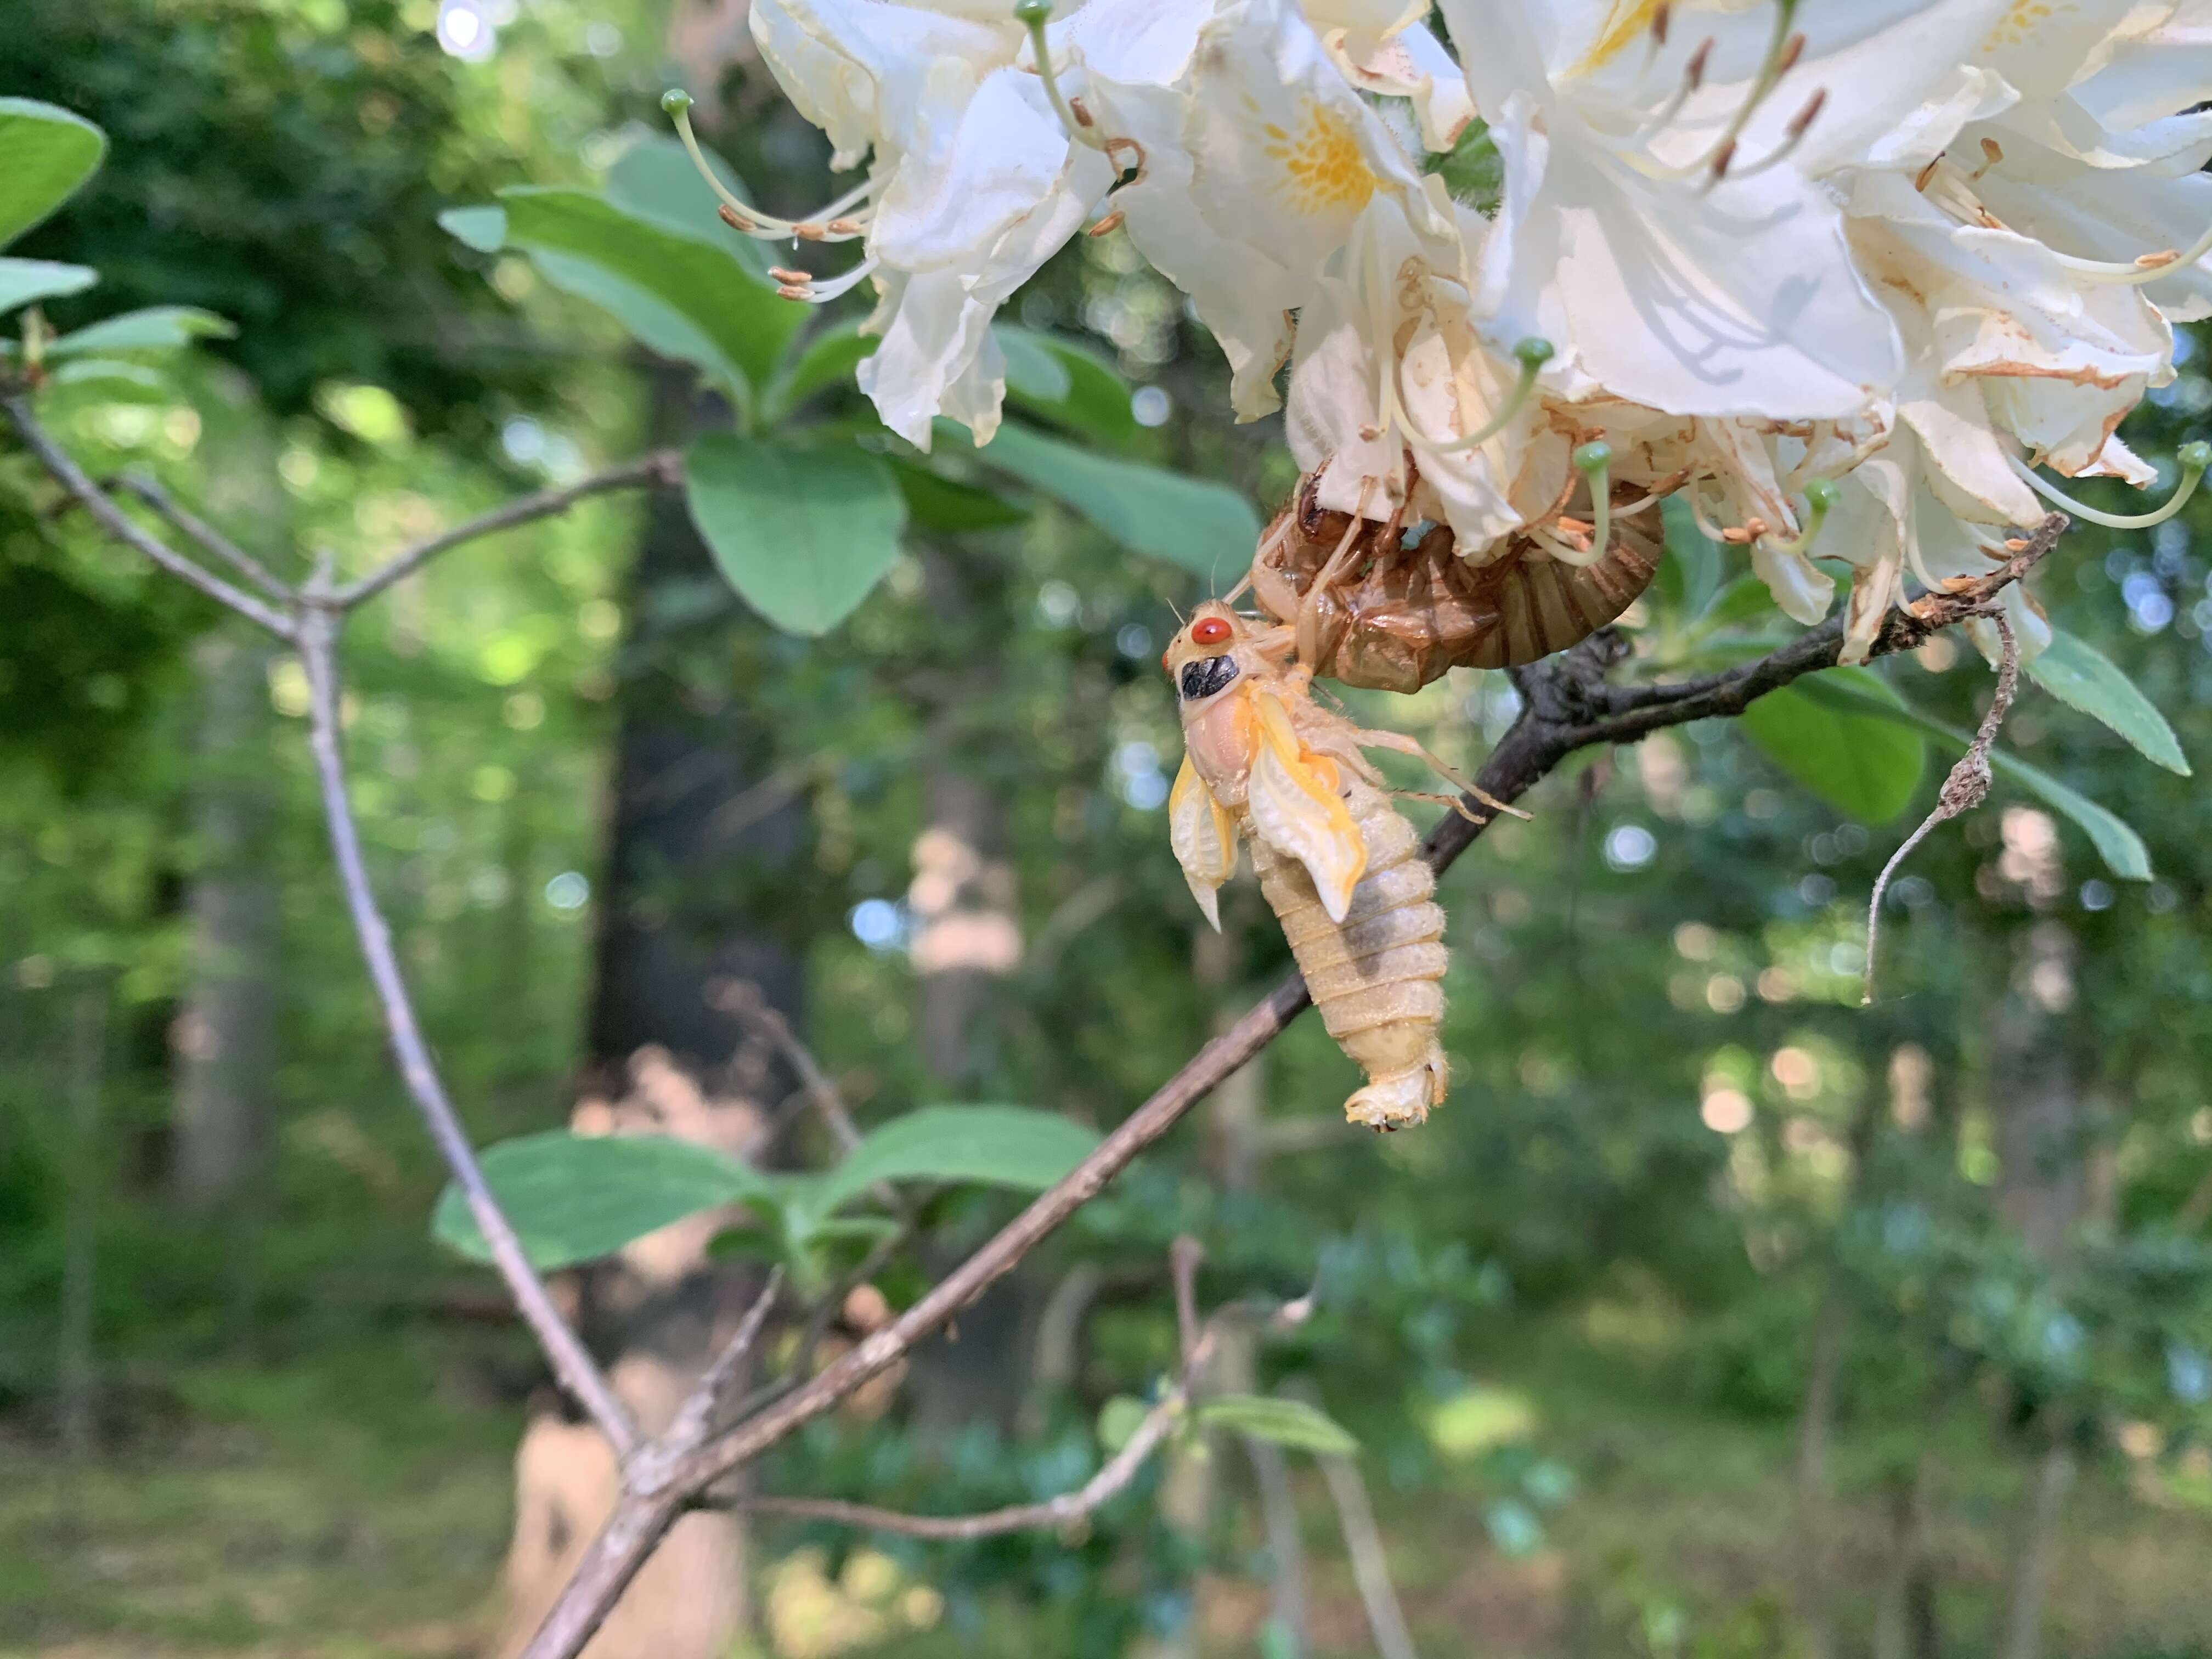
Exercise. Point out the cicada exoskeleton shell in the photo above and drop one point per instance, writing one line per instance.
(1394, 617)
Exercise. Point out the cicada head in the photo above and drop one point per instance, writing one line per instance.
(1215, 650)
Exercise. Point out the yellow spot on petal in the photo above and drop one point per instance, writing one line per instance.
(2021, 20)
(1324, 170)
(1628, 20)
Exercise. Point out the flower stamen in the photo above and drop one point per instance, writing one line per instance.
(743, 218)
(1033, 15)
(2147, 268)
(1800, 123)
(1594, 462)
(1820, 497)
(2195, 458)
(1532, 354)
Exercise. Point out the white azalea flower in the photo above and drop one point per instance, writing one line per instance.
(1383, 46)
(974, 180)
(1256, 169)
(2100, 158)
(1660, 223)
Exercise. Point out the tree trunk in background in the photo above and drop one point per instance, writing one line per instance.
(76, 1376)
(666, 1055)
(1815, 1519)
(2035, 1097)
(967, 940)
(225, 1037)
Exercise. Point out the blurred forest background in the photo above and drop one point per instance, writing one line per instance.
(1713, 1316)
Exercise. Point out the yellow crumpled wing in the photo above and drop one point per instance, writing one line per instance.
(1296, 809)
(1203, 837)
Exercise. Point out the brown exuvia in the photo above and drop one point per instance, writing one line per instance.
(1370, 610)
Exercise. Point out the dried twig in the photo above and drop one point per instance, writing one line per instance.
(663, 467)
(1065, 1510)
(695, 1417)
(207, 536)
(1966, 789)
(1371, 1564)
(117, 523)
(744, 1001)
(1184, 1257)
(563, 1348)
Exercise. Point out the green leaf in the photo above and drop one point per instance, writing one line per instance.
(681, 297)
(1690, 574)
(998, 1146)
(939, 503)
(1866, 768)
(655, 181)
(156, 328)
(119, 381)
(1473, 171)
(1119, 1420)
(484, 229)
(574, 1198)
(802, 534)
(45, 153)
(2078, 675)
(1290, 1423)
(1035, 372)
(2115, 842)
(1207, 528)
(1746, 599)
(22, 281)
(1096, 404)
(828, 359)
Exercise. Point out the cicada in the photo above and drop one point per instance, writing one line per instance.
(1342, 868)
(1371, 609)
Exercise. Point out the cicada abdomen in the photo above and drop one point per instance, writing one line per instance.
(1394, 617)
(1376, 973)
(1339, 866)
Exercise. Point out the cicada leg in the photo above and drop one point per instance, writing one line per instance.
(1398, 742)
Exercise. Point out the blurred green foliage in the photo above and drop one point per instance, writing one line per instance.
(1586, 1295)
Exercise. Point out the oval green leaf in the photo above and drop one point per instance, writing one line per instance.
(22, 281)
(1290, 1423)
(2081, 677)
(681, 297)
(655, 181)
(45, 153)
(802, 534)
(936, 502)
(996, 1145)
(2115, 840)
(1207, 528)
(575, 1198)
(156, 328)
(1867, 768)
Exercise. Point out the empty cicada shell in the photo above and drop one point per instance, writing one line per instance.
(1394, 617)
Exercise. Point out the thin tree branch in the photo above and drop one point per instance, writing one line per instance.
(1566, 705)
(663, 467)
(117, 523)
(744, 1001)
(1371, 1563)
(317, 640)
(206, 535)
(694, 1423)
(1967, 787)
(1113, 1477)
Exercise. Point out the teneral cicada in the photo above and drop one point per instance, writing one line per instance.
(1371, 609)
(1265, 763)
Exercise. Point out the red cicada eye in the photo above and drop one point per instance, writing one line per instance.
(1210, 630)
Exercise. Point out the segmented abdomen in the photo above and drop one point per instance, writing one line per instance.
(1375, 975)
